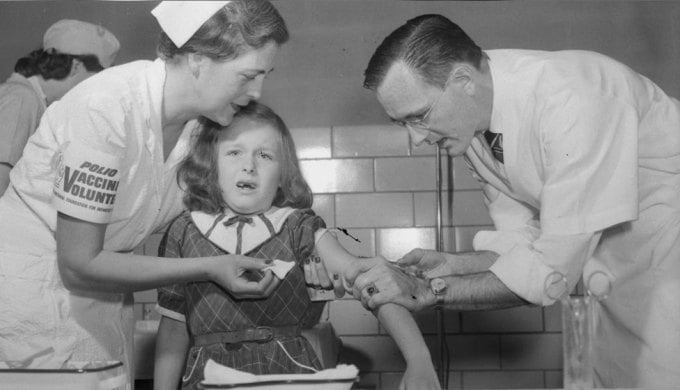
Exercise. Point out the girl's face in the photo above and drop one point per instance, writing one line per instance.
(222, 87)
(249, 165)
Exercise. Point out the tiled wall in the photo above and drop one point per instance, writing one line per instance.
(370, 180)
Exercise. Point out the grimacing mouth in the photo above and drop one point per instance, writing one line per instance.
(242, 184)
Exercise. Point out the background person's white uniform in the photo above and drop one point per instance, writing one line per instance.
(112, 119)
(591, 152)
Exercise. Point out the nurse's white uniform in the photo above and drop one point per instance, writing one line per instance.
(590, 181)
(98, 156)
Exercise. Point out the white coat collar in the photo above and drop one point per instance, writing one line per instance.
(262, 228)
(33, 80)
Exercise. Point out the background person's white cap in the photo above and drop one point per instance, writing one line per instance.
(181, 19)
(71, 36)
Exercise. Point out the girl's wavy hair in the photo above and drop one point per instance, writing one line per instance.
(237, 27)
(197, 175)
(51, 64)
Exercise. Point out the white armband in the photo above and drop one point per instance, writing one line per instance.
(86, 183)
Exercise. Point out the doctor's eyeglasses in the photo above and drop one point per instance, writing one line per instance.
(420, 121)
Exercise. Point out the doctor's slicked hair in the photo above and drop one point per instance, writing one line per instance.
(428, 44)
(239, 26)
(198, 173)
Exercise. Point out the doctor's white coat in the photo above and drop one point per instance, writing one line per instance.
(590, 182)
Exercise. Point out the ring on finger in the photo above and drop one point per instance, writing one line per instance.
(371, 290)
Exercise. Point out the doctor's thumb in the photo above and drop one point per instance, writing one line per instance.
(411, 258)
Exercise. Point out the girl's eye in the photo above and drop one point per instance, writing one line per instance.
(266, 156)
(232, 152)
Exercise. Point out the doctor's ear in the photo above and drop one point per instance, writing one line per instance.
(463, 76)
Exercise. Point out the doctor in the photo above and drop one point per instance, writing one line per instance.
(99, 176)
(579, 160)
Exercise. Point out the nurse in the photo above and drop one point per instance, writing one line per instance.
(579, 160)
(98, 177)
(72, 51)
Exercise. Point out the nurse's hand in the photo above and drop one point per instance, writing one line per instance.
(318, 277)
(244, 277)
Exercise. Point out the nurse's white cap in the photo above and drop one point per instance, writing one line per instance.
(70, 36)
(181, 19)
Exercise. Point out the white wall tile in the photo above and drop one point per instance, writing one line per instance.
(374, 210)
(370, 140)
(552, 317)
(324, 206)
(468, 208)
(531, 351)
(312, 142)
(503, 380)
(474, 352)
(394, 243)
(553, 379)
(339, 175)
(404, 174)
(428, 321)
(516, 319)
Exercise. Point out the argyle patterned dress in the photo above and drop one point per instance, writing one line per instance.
(208, 308)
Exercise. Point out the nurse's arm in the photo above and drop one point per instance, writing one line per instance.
(85, 265)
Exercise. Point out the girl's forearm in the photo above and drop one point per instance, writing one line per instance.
(400, 324)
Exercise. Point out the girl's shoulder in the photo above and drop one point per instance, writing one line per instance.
(180, 224)
(300, 218)
(302, 214)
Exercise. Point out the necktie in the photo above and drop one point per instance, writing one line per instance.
(241, 220)
(495, 141)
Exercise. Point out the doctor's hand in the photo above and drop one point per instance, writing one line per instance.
(431, 264)
(375, 282)
(426, 263)
(244, 277)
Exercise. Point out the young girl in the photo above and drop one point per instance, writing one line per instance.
(245, 195)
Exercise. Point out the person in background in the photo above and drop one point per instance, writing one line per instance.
(579, 161)
(245, 194)
(99, 176)
(72, 51)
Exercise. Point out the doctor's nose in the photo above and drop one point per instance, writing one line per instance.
(417, 135)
